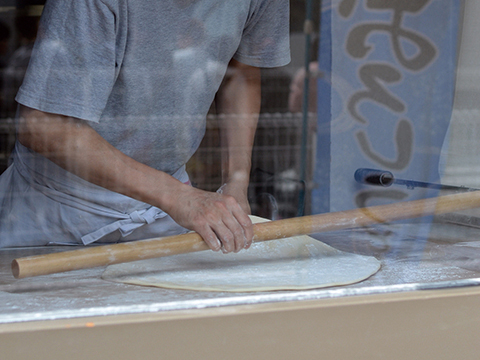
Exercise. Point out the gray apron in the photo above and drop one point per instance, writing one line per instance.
(42, 204)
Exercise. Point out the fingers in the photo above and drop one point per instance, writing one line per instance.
(210, 239)
(232, 235)
(228, 227)
(240, 225)
(246, 227)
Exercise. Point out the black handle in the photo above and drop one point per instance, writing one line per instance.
(374, 177)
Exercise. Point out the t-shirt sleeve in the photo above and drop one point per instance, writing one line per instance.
(73, 64)
(265, 41)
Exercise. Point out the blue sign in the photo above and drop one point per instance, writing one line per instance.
(385, 98)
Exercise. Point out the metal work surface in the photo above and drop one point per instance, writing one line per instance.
(445, 258)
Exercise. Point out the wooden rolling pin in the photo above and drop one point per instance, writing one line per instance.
(191, 242)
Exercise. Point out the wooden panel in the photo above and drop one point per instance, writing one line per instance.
(441, 324)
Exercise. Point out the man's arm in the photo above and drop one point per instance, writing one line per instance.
(239, 100)
(72, 144)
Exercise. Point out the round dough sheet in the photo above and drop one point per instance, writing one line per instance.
(295, 263)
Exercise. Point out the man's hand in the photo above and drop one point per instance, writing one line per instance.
(218, 218)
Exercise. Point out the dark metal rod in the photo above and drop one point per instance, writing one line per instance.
(308, 29)
(386, 178)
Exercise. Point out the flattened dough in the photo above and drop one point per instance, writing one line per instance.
(295, 263)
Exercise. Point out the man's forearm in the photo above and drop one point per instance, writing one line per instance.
(239, 102)
(75, 146)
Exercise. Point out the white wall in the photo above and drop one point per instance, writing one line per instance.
(462, 155)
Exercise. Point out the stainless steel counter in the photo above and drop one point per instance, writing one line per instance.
(449, 256)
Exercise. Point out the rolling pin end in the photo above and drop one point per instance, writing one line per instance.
(16, 269)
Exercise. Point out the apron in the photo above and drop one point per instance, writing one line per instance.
(43, 204)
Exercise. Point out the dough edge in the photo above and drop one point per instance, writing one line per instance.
(110, 275)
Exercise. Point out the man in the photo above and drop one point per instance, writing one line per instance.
(112, 107)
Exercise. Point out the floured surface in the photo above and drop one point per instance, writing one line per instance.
(289, 264)
(439, 263)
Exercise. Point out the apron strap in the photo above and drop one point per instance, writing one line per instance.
(136, 219)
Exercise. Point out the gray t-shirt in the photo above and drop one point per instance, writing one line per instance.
(145, 72)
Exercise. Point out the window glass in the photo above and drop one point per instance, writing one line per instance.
(126, 127)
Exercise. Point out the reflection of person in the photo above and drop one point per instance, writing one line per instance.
(104, 100)
(297, 85)
(295, 99)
